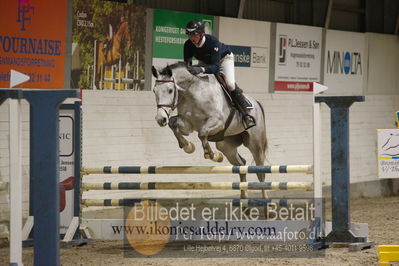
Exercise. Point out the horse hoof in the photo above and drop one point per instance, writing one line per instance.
(217, 157)
(189, 148)
(207, 156)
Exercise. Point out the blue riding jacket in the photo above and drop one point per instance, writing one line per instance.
(210, 53)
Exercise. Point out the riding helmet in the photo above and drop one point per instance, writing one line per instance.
(195, 27)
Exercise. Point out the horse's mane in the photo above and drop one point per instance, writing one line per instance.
(168, 69)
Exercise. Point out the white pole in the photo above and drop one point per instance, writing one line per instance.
(120, 73)
(15, 130)
(317, 178)
(137, 71)
(127, 75)
(94, 65)
(102, 83)
(113, 76)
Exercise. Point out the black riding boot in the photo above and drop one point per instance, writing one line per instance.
(243, 107)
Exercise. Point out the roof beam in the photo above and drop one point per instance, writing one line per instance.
(241, 9)
(328, 14)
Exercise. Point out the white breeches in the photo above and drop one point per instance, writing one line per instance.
(227, 68)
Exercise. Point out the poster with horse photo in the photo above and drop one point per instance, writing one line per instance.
(108, 48)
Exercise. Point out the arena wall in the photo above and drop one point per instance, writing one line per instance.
(119, 129)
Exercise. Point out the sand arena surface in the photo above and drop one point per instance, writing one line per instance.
(382, 215)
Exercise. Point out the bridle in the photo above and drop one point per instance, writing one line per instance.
(174, 101)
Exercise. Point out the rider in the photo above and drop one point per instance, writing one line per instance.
(214, 57)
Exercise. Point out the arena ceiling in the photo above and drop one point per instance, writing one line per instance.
(379, 16)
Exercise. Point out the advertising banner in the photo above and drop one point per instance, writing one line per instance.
(108, 48)
(169, 34)
(246, 56)
(242, 55)
(388, 153)
(67, 163)
(297, 57)
(249, 41)
(260, 57)
(33, 42)
(345, 61)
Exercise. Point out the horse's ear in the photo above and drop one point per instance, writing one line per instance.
(154, 72)
(168, 71)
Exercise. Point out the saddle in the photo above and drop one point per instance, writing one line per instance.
(222, 81)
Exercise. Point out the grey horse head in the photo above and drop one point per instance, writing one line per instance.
(167, 88)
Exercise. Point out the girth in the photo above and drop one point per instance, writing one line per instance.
(220, 135)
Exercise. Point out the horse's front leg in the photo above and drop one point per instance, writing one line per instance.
(178, 127)
(211, 127)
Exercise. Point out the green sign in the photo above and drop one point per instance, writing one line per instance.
(169, 33)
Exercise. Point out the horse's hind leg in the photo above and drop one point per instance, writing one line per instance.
(229, 148)
(176, 124)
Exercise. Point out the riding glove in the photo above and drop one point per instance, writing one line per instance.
(195, 70)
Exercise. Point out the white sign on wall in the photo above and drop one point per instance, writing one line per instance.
(249, 41)
(388, 153)
(66, 134)
(67, 163)
(344, 63)
(297, 57)
(260, 57)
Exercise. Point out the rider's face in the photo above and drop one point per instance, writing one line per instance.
(195, 38)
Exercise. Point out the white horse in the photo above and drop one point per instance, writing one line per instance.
(202, 106)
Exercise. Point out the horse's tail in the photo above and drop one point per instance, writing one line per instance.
(264, 124)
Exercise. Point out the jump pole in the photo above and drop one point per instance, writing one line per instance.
(130, 202)
(197, 186)
(268, 169)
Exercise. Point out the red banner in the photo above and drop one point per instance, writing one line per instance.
(293, 86)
